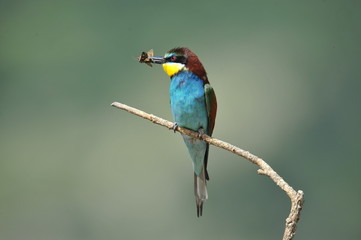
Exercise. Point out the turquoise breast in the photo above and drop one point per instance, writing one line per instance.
(188, 102)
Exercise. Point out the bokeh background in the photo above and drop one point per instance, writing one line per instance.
(287, 77)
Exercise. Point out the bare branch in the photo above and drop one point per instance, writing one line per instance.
(265, 169)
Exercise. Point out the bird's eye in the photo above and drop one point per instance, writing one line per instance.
(173, 58)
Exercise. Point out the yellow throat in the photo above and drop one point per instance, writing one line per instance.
(172, 68)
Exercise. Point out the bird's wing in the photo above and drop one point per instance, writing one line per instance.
(211, 104)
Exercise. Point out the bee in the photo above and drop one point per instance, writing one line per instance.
(145, 57)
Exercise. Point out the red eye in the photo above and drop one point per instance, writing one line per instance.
(173, 58)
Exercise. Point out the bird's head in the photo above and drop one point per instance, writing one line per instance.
(181, 59)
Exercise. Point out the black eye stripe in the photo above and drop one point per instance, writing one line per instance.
(176, 59)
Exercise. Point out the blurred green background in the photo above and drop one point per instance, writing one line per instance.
(287, 77)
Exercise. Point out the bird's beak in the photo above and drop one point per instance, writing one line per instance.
(157, 60)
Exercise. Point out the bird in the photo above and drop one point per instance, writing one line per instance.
(194, 106)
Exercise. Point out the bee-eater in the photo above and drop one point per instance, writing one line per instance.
(194, 106)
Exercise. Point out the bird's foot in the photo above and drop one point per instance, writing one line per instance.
(175, 126)
(200, 133)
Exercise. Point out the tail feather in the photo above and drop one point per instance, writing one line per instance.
(200, 190)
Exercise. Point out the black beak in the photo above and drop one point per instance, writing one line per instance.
(157, 60)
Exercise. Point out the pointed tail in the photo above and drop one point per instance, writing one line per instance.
(200, 190)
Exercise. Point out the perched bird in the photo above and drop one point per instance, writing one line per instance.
(194, 106)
